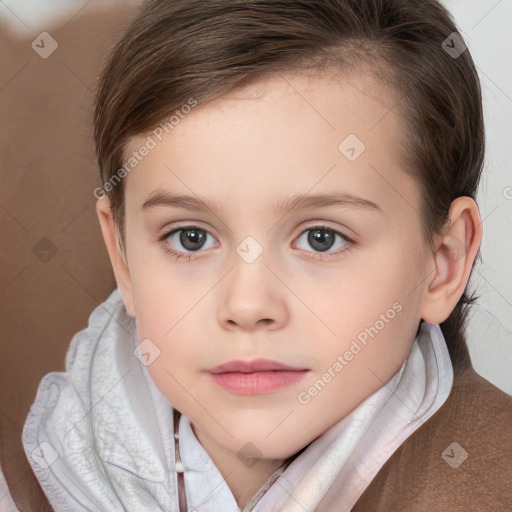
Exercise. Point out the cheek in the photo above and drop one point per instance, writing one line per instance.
(164, 308)
(179, 350)
(373, 308)
(365, 286)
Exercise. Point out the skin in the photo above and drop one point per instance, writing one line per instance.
(243, 153)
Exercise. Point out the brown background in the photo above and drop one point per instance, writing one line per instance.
(54, 268)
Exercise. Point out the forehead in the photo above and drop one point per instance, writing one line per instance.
(287, 133)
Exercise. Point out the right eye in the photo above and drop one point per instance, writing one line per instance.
(188, 239)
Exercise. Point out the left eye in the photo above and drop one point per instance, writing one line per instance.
(322, 239)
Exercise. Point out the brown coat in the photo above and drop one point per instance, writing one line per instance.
(419, 478)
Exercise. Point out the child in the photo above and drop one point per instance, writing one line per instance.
(288, 203)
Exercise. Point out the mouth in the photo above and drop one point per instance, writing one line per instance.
(255, 377)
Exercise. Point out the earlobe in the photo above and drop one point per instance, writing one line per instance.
(119, 265)
(454, 254)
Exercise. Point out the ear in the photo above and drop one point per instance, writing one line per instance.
(455, 253)
(119, 264)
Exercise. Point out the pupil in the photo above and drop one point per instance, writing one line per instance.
(192, 239)
(321, 239)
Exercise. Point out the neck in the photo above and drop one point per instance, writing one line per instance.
(243, 477)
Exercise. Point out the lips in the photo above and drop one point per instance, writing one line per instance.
(255, 377)
(258, 365)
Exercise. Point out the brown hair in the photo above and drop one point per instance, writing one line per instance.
(175, 50)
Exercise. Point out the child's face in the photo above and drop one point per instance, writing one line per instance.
(246, 154)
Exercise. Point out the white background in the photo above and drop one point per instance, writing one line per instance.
(486, 28)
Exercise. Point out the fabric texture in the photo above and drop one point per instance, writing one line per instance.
(99, 437)
(458, 461)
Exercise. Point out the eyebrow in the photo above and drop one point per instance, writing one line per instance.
(295, 202)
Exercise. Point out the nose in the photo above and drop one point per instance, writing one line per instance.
(253, 298)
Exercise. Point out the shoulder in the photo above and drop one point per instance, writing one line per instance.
(6, 500)
(458, 460)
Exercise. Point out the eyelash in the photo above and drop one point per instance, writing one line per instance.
(318, 255)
